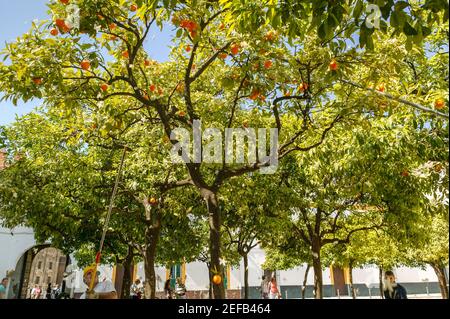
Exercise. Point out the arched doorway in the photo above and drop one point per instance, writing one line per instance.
(38, 266)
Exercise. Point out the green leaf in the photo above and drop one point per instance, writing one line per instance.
(409, 30)
(358, 9)
(400, 5)
(323, 30)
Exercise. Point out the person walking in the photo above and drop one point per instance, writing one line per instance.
(3, 286)
(180, 289)
(168, 289)
(274, 290)
(38, 292)
(393, 290)
(48, 294)
(264, 288)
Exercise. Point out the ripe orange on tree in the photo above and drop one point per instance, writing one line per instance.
(223, 55)
(54, 32)
(188, 48)
(112, 26)
(255, 94)
(333, 65)
(125, 54)
(133, 7)
(37, 81)
(234, 48)
(64, 1)
(217, 279)
(60, 23)
(181, 113)
(66, 28)
(153, 201)
(439, 104)
(189, 25)
(104, 87)
(303, 86)
(405, 173)
(152, 88)
(85, 64)
(268, 64)
(147, 62)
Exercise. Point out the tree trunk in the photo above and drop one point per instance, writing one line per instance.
(317, 266)
(214, 240)
(210, 282)
(246, 287)
(440, 273)
(380, 278)
(152, 237)
(350, 278)
(305, 279)
(127, 276)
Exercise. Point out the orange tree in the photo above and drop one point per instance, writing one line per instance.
(224, 76)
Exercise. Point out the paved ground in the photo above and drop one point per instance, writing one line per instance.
(421, 296)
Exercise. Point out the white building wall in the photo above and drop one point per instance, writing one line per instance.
(368, 275)
(295, 276)
(197, 276)
(404, 274)
(13, 243)
(255, 260)
(236, 280)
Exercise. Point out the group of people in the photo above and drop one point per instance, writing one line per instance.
(392, 289)
(137, 289)
(178, 293)
(51, 292)
(106, 290)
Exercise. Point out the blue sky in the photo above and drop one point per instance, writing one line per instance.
(15, 19)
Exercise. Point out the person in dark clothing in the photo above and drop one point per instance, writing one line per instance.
(48, 295)
(168, 289)
(393, 290)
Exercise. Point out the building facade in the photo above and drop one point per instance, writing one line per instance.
(47, 268)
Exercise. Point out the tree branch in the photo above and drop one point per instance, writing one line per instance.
(398, 99)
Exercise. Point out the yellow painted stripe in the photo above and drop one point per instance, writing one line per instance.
(347, 275)
(114, 275)
(183, 272)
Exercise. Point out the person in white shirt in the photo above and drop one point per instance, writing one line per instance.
(102, 290)
(136, 289)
